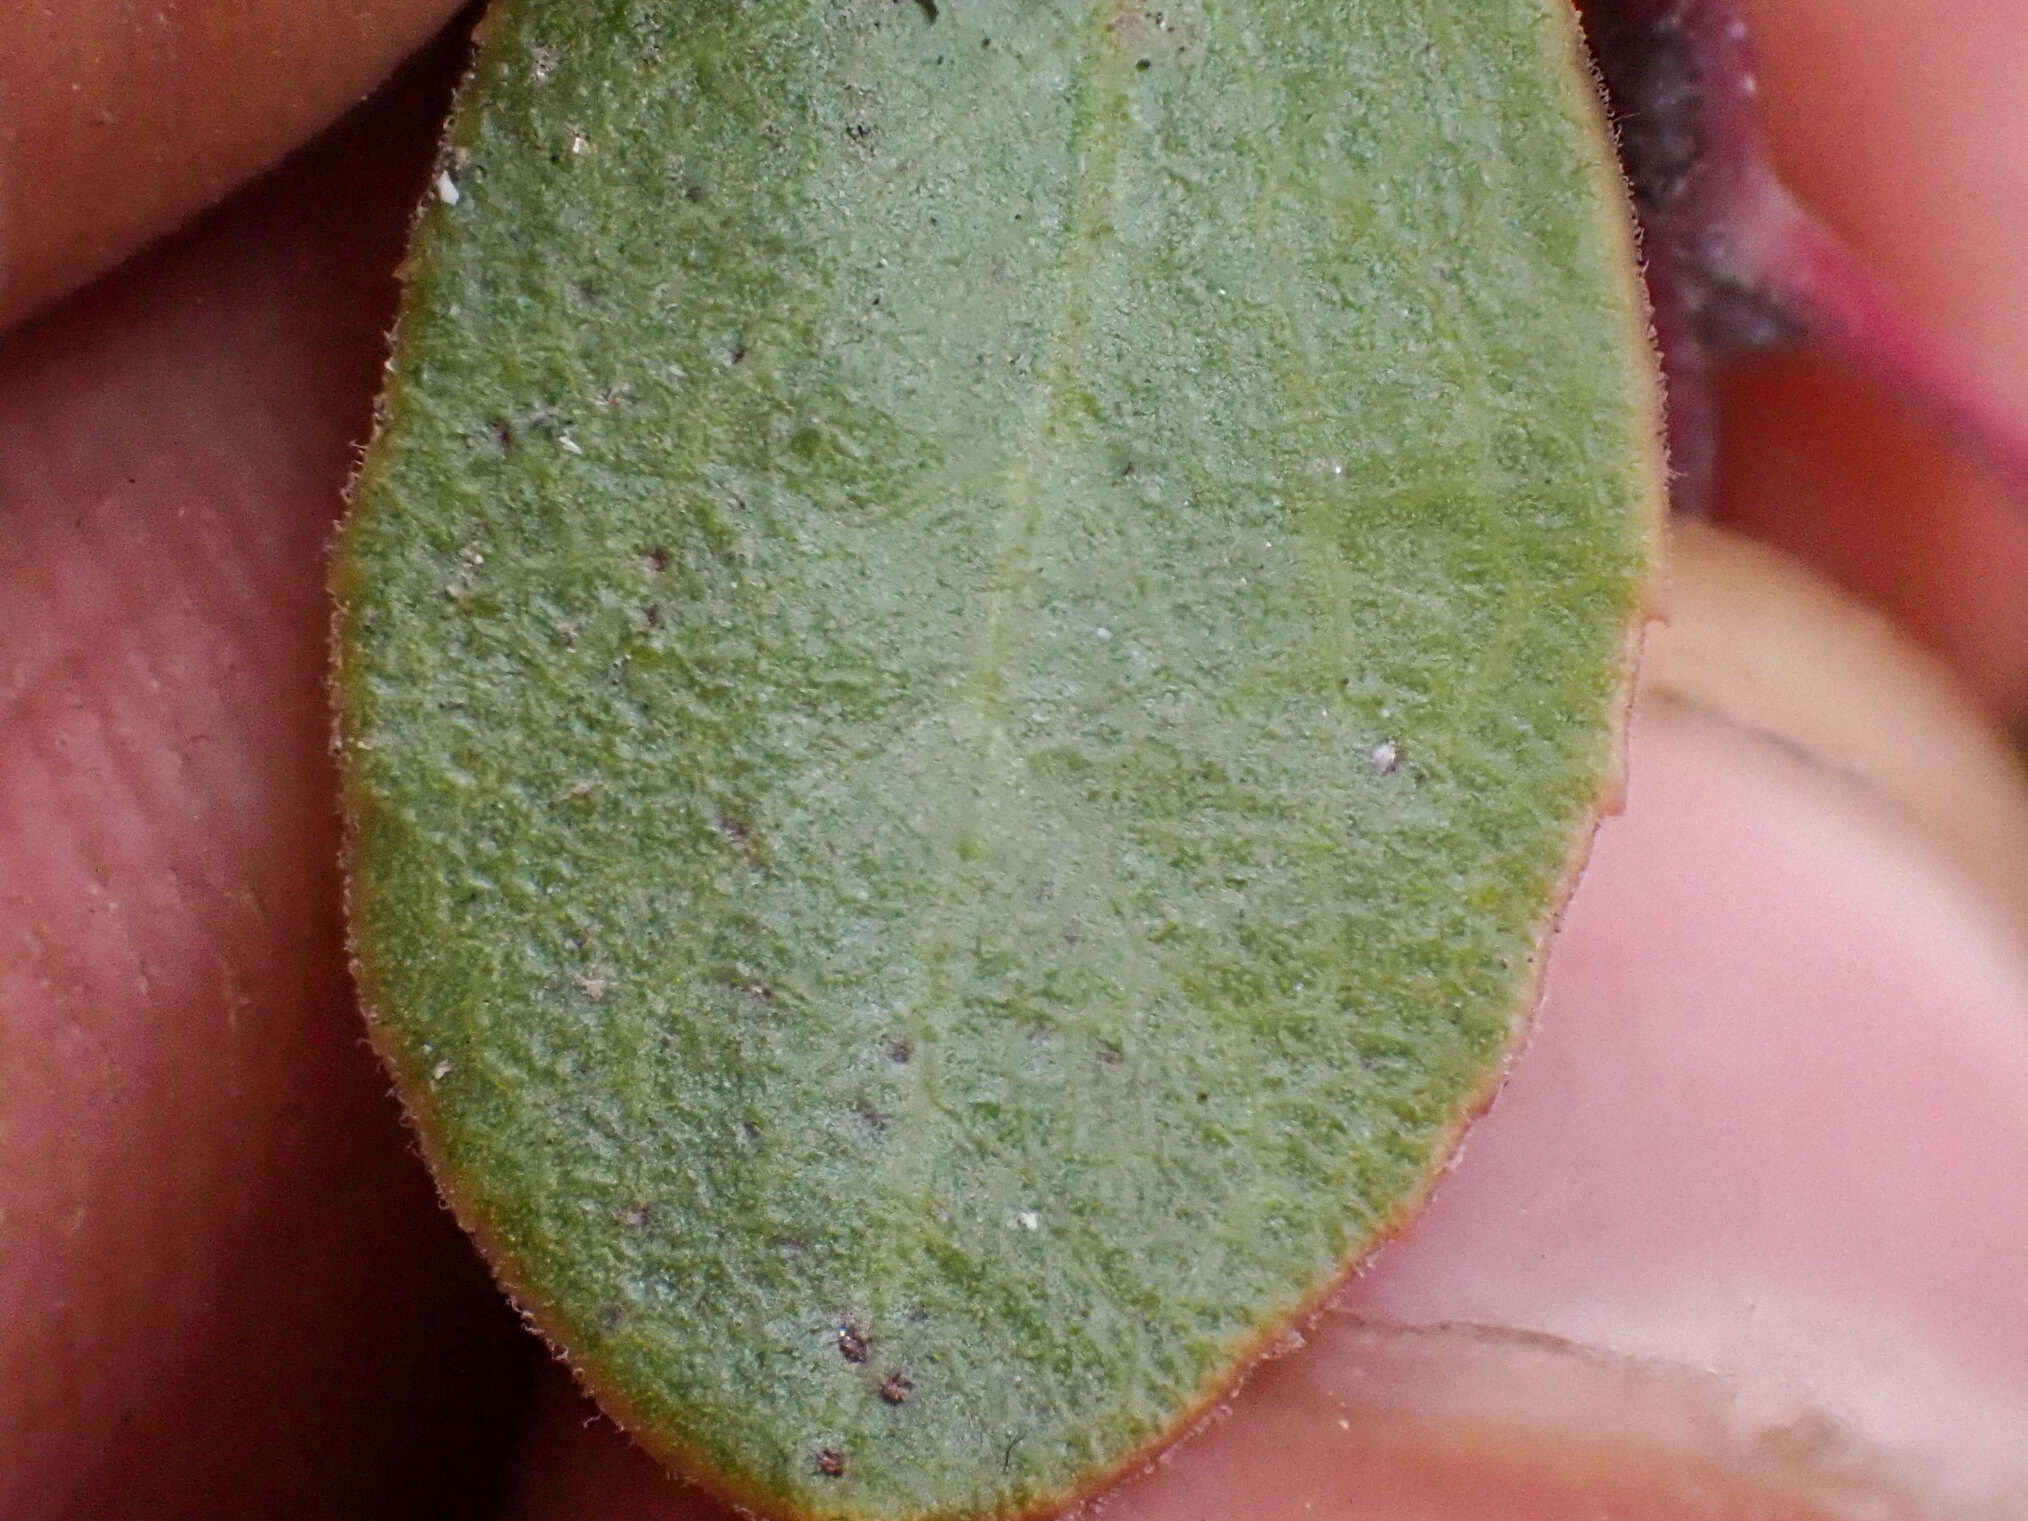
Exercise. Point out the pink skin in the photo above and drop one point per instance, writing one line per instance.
(1775, 1116)
(124, 120)
(224, 1289)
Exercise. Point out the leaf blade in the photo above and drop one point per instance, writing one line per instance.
(932, 538)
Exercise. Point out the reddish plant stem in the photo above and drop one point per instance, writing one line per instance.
(1851, 312)
(1734, 264)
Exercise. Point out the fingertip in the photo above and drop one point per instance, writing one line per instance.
(229, 1288)
(124, 121)
(1772, 1116)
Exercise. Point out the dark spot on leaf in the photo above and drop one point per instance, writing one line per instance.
(694, 193)
(638, 1216)
(830, 1462)
(895, 1388)
(871, 1120)
(738, 352)
(653, 615)
(899, 1051)
(657, 561)
(610, 1317)
(1109, 1055)
(851, 1342)
(929, 9)
(751, 1130)
(859, 132)
(1143, 63)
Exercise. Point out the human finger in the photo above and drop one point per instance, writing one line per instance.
(228, 1289)
(119, 121)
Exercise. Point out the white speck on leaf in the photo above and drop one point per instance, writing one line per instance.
(447, 188)
(1386, 757)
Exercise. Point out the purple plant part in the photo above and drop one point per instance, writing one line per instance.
(1734, 264)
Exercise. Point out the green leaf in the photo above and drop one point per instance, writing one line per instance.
(976, 651)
